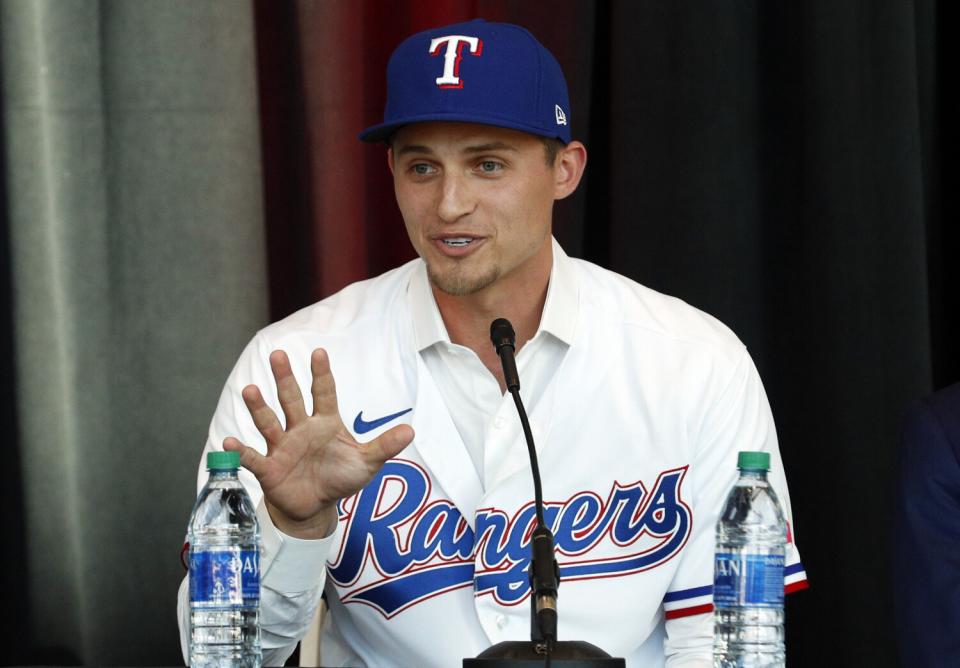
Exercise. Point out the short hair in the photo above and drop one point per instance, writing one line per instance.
(551, 148)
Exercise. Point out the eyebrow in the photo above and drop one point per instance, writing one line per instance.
(413, 148)
(492, 146)
(482, 148)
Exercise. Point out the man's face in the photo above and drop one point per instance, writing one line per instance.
(477, 202)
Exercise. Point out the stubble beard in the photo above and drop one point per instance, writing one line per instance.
(456, 284)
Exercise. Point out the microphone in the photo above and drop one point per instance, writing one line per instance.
(504, 342)
(544, 571)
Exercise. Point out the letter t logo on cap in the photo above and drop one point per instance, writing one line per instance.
(452, 57)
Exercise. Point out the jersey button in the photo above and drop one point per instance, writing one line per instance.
(498, 422)
(501, 621)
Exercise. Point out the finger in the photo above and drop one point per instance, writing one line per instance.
(264, 418)
(288, 391)
(389, 444)
(250, 459)
(323, 389)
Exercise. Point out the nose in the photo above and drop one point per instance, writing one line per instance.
(456, 198)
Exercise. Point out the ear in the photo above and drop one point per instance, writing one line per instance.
(390, 159)
(568, 169)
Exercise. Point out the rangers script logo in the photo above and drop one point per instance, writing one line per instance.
(398, 549)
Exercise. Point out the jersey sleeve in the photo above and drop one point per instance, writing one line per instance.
(739, 419)
(292, 570)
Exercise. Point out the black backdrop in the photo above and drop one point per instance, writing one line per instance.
(784, 167)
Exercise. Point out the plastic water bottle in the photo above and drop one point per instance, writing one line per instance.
(224, 570)
(748, 572)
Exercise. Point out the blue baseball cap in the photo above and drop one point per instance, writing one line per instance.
(475, 72)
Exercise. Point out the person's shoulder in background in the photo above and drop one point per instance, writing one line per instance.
(943, 408)
(926, 532)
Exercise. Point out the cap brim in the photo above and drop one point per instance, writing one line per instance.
(382, 131)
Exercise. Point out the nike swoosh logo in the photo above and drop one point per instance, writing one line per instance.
(361, 426)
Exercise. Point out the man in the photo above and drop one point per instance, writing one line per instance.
(638, 403)
(926, 549)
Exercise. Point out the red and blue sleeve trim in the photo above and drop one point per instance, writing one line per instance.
(699, 600)
(687, 602)
(794, 578)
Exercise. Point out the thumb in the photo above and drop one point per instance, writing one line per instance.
(390, 443)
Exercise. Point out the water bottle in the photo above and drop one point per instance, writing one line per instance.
(224, 542)
(748, 572)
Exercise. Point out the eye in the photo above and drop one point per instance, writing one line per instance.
(422, 169)
(490, 166)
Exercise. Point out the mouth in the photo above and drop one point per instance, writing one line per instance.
(457, 244)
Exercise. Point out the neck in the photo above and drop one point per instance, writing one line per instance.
(519, 299)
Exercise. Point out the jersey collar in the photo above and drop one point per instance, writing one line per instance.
(559, 311)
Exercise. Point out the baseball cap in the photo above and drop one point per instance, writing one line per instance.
(475, 72)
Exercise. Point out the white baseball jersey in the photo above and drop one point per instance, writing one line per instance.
(637, 436)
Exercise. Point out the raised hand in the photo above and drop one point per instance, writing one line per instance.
(315, 461)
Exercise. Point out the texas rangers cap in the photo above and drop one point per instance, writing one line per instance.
(475, 72)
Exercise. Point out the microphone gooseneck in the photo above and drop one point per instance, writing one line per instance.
(544, 572)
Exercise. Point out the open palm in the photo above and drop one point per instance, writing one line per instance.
(315, 461)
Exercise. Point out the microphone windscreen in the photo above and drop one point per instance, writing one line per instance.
(501, 333)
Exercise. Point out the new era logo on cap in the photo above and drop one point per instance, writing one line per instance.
(491, 73)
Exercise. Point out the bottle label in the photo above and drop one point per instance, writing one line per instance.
(225, 576)
(748, 579)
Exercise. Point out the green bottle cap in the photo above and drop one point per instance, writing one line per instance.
(754, 461)
(218, 461)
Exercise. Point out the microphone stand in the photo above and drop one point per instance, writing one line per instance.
(543, 649)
